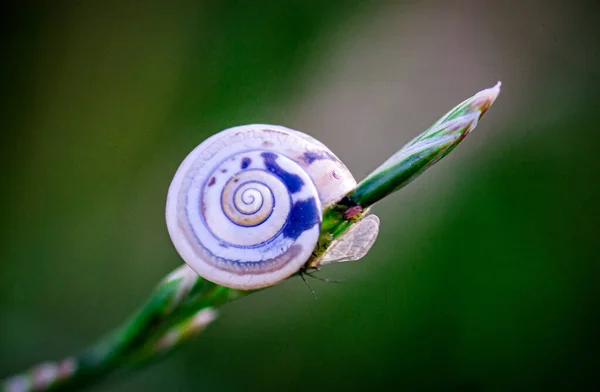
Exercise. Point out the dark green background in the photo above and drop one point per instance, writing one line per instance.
(486, 273)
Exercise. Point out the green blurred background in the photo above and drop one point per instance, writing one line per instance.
(486, 272)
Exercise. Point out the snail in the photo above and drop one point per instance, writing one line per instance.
(244, 208)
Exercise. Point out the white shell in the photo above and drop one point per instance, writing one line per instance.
(244, 208)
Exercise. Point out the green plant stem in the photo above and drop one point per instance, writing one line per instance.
(424, 150)
(183, 304)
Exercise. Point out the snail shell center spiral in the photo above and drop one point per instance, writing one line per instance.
(249, 201)
(254, 199)
(250, 205)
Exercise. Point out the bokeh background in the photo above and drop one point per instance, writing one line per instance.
(486, 273)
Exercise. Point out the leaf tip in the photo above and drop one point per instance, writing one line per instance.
(485, 98)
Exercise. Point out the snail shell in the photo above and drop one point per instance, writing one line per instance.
(244, 208)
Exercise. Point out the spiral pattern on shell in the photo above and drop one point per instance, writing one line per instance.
(244, 208)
